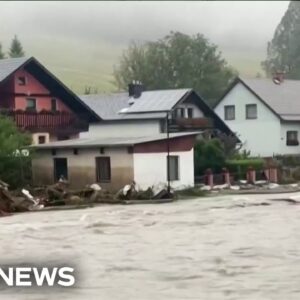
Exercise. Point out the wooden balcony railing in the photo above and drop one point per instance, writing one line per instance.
(193, 123)
(47, 120)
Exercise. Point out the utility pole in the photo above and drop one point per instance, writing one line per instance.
(168, 155)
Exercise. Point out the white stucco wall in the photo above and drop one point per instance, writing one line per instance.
(151, 169)
(262, 136)
(289, 126)
(117, 129)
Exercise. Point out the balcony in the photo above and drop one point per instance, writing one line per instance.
(181, 124)
(52, 122)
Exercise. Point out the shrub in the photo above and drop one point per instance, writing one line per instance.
(240, 166)
(209, 154)
(296, 173)
(14, 164)
(289, 160)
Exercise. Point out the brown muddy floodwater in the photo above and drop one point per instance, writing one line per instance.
(195, 249)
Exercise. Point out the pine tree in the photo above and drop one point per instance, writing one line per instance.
(16, 49)
(283, 52)
(2, 55)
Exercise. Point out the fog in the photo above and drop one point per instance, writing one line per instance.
(240, 28)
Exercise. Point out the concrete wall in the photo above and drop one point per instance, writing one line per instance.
(131, 128)
(262, 136)
(82, 167)
(151, 169)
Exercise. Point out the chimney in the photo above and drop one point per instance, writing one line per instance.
(278, 77)
(135, 89)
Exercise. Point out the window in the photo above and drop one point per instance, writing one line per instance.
(103, 171)
(180, 112)
(190, 112)
(251, 111)
(30, 104)
(53, 105)
(102, 150)
(41, 139)
(292, 138)
(229, 112)
(21, 80)
(75, 151)
(60, 168)
(173, 167)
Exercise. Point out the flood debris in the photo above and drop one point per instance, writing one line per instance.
(16, 201)
(59, 194)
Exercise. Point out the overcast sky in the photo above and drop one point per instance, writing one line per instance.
(240, 28)
(230, 24)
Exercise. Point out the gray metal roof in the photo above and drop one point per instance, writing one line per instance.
(150, 105)
(157, 101)
(283, 98)
(106, 106)
(113, 142)
(9, 65)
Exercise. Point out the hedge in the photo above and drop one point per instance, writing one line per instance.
(240, 166)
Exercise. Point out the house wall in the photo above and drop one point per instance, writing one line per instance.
(151, 169)
(196, 111)
(289, 126)
(130, 128)
(7, 94)
(146, 164)
(33, 88)
(262, 136)
(82, 167)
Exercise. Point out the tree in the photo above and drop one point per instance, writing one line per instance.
(209, 154)
(89, 90)
(14, 163)
(283, 51)
(2, 55)
(16, 49)
(176, 61)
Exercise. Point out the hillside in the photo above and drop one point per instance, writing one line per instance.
(91, 64)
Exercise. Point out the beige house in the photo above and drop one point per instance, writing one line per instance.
(114, 162)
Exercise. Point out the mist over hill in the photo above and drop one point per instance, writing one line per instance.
(81, 41)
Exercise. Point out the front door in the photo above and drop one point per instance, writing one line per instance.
(60, 168)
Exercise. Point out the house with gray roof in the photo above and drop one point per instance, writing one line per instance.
(139, 112)
(264, 113)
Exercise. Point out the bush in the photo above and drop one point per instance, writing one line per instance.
(289, 160)
(296, 174)
(16, 171)
(14, 165)
(240, 166)
(208, 154)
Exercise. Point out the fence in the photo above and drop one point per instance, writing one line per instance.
(268, 174)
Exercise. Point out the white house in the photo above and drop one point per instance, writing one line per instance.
(140, 113)
(115, 162)
(264, 113)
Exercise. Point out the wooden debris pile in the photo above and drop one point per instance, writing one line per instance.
(59, 194)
